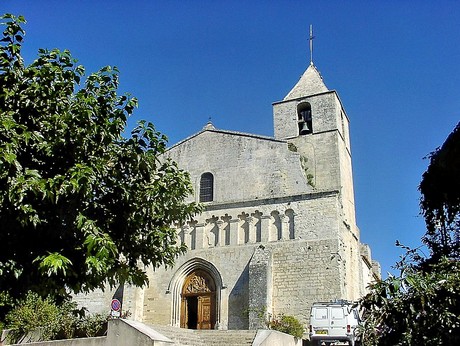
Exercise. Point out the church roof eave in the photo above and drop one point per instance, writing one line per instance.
(305, 96)
(209, 128)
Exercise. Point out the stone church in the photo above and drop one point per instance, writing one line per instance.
(278, 231)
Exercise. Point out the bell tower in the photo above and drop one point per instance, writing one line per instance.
(311, 118)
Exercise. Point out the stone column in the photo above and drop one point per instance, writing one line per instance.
(252, 229)
(199, 231)
(284, 223)
(220, 233)
(187, 237)
(179, 234)
(265, 228)
(234, 236)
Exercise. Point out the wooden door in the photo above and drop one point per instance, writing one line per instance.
(198, 303)
(183, 313)
(205, 312)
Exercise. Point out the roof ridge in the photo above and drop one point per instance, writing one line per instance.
(311, 82)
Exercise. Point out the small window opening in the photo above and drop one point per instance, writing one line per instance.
(206, 187)
(304, 118)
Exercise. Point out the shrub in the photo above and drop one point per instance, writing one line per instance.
(93, 325)
(33, 314)
(42, 319)
(286, 324)
(5, 305)
(68, 320)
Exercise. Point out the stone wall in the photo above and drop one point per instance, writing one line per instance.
(98, 301)
(258, 281)
(308, 216)
(305, 272)
(245, 167)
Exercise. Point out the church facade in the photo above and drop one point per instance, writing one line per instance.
(278, 231)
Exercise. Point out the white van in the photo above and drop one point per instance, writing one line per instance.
(334, 323)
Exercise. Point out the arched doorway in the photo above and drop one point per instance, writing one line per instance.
(198, 301)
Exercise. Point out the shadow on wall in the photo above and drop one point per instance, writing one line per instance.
(238, 302)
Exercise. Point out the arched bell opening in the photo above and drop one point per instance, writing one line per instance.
(304, 118)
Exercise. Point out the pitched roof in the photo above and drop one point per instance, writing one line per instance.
(310, 83)
(209, 127)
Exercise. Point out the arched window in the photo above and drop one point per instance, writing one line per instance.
(304, 118)
(206, 187)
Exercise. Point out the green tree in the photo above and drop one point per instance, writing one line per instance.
(421, 306)
(440, 202)
(80, 204)
(416, 308)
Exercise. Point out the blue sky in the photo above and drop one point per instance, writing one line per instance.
(395, 65)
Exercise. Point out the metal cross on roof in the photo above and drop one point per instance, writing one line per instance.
(311, 44)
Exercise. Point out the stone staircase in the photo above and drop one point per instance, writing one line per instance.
(192, 337)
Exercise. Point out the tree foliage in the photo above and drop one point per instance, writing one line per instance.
(440, 202)
(80, 204)
(421, 306)
(416, 308)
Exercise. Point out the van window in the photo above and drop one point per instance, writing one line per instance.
(337, 313)
(320, 314)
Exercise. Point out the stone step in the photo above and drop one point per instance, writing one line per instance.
(183, 337)
(240, 337)
(190, 337)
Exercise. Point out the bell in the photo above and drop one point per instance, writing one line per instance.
(304, 129)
